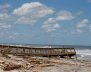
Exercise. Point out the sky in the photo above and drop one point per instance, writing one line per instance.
(59, 22)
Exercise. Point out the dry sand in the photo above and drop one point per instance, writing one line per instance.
(42, 64)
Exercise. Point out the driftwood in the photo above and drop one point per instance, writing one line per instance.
(46, 65)
(8, 67)
(5, 51)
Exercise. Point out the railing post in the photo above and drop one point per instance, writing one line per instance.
(75, 55)
(16, 52)
(24, 51)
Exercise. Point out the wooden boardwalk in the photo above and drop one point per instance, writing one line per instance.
(24, 50)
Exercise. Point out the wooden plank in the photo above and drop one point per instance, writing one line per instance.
(43, 51)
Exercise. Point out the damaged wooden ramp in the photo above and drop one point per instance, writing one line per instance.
(27, 50)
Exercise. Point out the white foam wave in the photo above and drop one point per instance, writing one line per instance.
(84, 52)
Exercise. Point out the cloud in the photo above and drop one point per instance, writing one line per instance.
(50, 25)
(32, 12)
(83, 23)
(4, 26)
(50, 20)
(4, 16)
(5, 6)
(79, 13)
(4, 21)
(79, 30)
(65, 15)
(80, 26)
(14, 36)
(25, 20)
(89, 1)
(33, 7)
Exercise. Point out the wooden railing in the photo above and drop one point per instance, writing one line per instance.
(20, 50)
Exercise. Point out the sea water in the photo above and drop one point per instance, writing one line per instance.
(83, 53)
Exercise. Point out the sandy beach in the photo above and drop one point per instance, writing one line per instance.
(42, 64)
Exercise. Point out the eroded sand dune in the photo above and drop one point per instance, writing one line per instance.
(42, 64)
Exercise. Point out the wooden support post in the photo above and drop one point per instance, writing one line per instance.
(16, 51)
(67, 54)
(75, 55)
(35, 52)
(24, 51)
(48, 52)
(29, 52)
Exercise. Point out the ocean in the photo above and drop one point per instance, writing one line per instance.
(83, 53)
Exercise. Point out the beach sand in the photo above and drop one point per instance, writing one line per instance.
(43, 64)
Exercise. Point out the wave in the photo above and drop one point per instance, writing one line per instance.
(84, 54)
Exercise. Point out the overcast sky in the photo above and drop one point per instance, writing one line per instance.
(59, 22)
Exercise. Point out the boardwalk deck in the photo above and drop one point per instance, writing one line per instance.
(20, 50)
